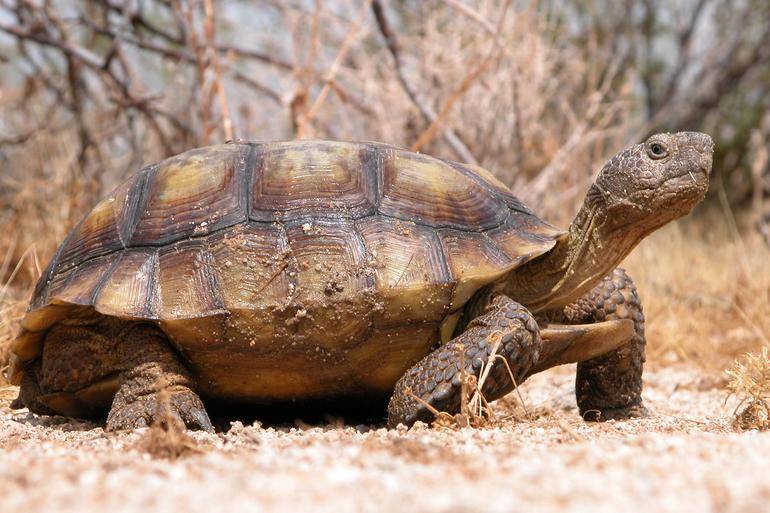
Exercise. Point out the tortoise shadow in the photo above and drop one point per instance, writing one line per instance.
(367, 414)
(329, 413)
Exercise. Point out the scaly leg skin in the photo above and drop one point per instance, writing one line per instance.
(436, 379)
(29, 392)
(610, 386)
(153, 374)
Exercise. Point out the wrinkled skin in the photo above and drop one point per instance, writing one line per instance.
(635, 193)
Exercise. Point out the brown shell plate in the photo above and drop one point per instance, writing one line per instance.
(263, 260)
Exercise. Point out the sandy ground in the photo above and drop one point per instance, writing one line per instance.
(686, 457)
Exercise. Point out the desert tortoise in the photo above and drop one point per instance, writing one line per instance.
(268, 272)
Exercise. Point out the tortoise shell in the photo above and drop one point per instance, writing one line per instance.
(290, 270)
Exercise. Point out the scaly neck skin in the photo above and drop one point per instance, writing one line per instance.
(590, 251)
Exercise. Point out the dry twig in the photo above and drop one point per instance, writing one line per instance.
(427, 112)
(312, 112)
(475, 73)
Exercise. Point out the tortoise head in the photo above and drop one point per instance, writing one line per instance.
(637, 191)
(649, 184)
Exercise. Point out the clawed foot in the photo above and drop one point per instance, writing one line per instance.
(435, 383)
(178, 406)
(603, 415)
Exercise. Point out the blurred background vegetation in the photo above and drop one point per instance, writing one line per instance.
(539, 92)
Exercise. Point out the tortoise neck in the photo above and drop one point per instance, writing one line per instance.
(590, 251)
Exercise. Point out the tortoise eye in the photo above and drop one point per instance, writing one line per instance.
(657, 150)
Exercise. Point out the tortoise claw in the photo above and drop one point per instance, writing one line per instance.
(180, 407)
(630, 412)
(200, 421)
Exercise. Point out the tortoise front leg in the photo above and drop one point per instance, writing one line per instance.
(152, 370)
(436, 380)
(610, 386)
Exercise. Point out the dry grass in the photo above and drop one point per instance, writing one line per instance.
(704, 290)
(14, 297)
(12, 308)
(42, 195)
(749, 381)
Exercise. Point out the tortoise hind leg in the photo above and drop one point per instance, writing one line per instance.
(610, 386)
(153, 374)
(86, 361)
(436, 379)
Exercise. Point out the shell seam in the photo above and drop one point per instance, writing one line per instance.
(452, 227)
(250, 168)
(103, 280)
(132, 219)
(213, 279)
(152, 284)
(377, 172)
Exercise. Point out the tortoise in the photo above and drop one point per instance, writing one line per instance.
(275, 272)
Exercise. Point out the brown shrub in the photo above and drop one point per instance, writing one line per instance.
(749, 380)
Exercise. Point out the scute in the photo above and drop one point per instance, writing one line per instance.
(474, 260)
(523, 238)
(397, 350)
(254, 265)
(126, 291)
(81, 284)
(333, 294)
(490, 181)
(186, 286)
(312, 178)
(428, 191)
(99, 233)
(192, 194)
(411, 276)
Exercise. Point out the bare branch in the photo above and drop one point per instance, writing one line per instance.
(80, 54)
(315, 107)
(227, 124)
(137, 19)
(427, 112)
(177, 55)
(683, 59)
(466, 83)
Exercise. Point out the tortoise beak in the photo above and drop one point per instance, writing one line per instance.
(703, 146)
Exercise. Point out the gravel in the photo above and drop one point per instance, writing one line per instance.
(685, 457)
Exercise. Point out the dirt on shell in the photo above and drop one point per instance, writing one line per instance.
(685, 457)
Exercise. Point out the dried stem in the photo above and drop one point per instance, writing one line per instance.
(466, 83)
(312, 112)
(427, 112)
(227, 123)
